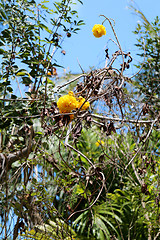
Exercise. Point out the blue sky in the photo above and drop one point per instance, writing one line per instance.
(90, 50)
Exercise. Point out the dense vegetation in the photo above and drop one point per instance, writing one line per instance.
(90, 172)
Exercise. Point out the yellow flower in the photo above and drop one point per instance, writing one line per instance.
(67, 103)
(98, 30)
(81, 100)
(99, 142)
(71, 93)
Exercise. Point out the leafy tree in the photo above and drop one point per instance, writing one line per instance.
(147, 80)
(27, 51)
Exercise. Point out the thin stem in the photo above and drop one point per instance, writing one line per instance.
(83, 210)
(143, 143)
(116, 39)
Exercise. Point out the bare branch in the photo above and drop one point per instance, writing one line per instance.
(122, 120)
(149, 132)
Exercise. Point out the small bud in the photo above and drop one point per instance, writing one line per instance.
(18, 40)
(54, 71)
(68, 34)
(64, 52)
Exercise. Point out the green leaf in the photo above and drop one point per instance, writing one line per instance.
(16, 164)
(2, 51)
(9, 89)
(81, 22)
(2, 14)
(100, 225)
(21, 73)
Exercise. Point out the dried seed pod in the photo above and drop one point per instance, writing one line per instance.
(145, 108)
(63, 52)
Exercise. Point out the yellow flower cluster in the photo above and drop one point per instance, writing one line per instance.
(99, 142)
(80, 101)
(98, 30)
(68, 103)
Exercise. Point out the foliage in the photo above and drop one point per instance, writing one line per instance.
(147, 80)
(52, 230)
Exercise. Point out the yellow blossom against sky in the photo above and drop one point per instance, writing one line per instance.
(98, 30)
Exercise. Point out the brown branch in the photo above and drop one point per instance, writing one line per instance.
(8, 159)
(72, 80)
(116, 40)
(15, 233)
(121, 120)
(88, 160)
(12, 157)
